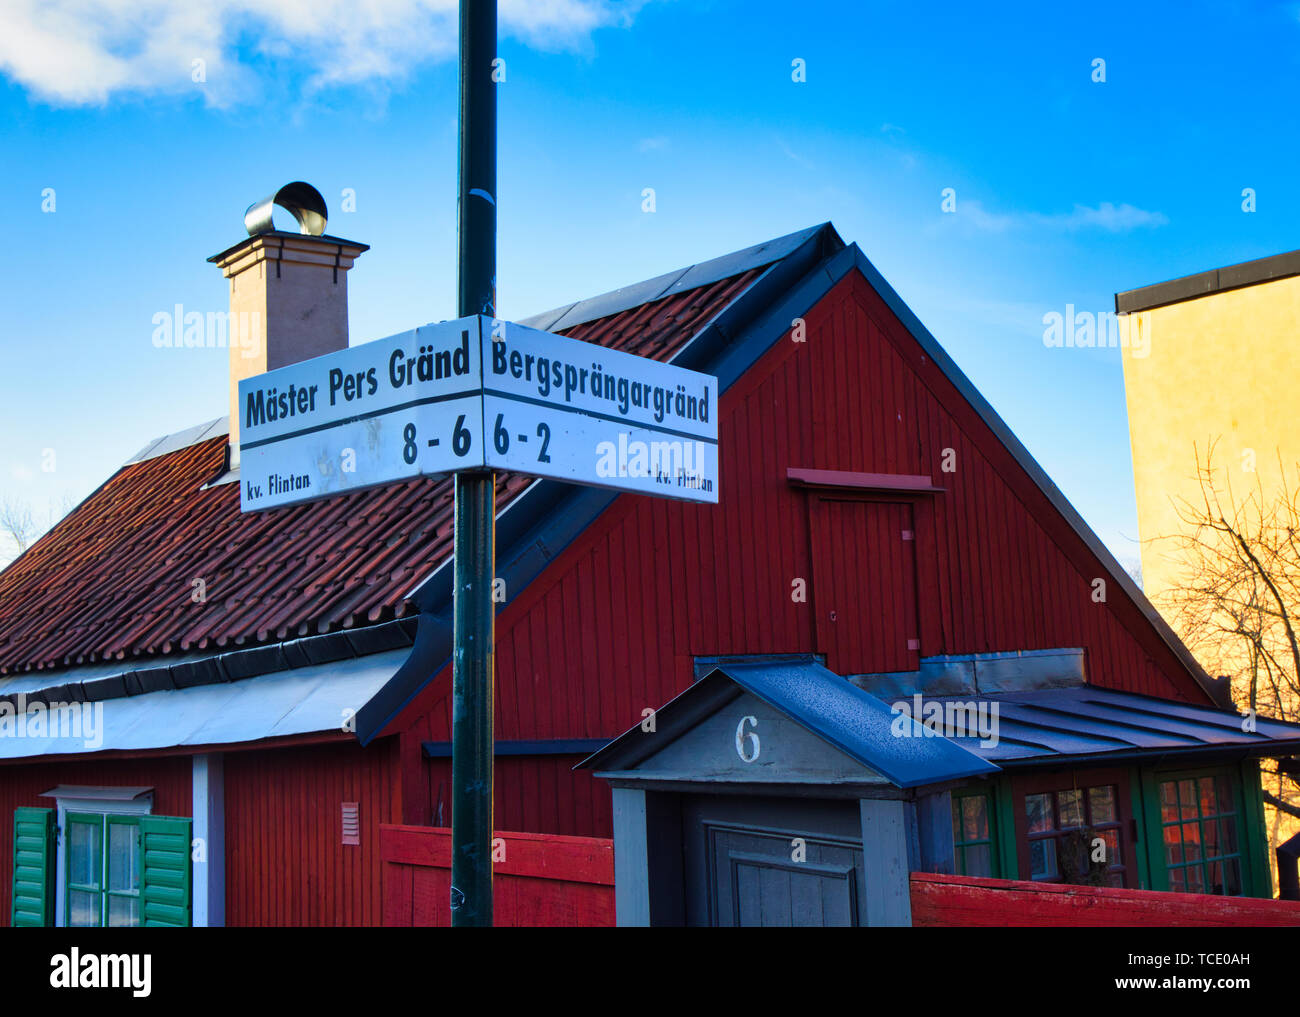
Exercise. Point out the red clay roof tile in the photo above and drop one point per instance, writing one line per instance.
(116, 578)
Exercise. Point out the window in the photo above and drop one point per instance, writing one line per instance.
(1074, 836)
(103, 870)
(100, 858)
(1198, 818)
(1071, 828)
(974, 846)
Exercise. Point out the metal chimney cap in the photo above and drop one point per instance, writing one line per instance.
(299, 199)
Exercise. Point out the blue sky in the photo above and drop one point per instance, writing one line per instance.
(1067, 189)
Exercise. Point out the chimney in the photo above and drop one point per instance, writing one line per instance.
(288, 291)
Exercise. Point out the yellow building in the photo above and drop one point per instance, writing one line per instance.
(1212, 361)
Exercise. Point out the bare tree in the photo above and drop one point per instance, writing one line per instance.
(1237, 601)
(17, 522)
(24, 527)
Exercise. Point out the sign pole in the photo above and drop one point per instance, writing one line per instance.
(473, 654)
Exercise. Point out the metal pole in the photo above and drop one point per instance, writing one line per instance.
(473, 656)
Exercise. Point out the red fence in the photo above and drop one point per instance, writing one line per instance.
(538, 879)
(964, 900)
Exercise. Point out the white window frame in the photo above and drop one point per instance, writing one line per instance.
(142, 806)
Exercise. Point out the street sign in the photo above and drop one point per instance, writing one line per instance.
(476, 393)
(571, 410)
(396, 408)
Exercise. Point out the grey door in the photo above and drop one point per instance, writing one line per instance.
(772, 862)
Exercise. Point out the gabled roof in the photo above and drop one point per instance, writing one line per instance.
(160, 562)
(115, 580)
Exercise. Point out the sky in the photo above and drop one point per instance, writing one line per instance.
(986, 162)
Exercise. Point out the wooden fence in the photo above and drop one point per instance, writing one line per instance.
(538, 879)
(966, 901)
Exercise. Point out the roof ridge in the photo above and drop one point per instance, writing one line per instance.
(692, 276)
(569, 315)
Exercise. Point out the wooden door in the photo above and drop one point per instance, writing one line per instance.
(864, 585)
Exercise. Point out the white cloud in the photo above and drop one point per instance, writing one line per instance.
(84, 52)
(1106, 216)
(652, 144)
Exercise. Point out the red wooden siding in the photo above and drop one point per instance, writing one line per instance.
(864, 584)
(940, 900)
(285, 860)
(610, 628)
(542, 880)
(537, 793)
(169, 776)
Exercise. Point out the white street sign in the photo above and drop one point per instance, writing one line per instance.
(570, 410)
(392, 409)
(475, 393)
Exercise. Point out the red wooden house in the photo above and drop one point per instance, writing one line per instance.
(267, 689)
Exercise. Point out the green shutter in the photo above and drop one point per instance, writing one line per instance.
(33, 896)
(165, 871)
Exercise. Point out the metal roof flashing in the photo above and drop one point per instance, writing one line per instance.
(1204, 284)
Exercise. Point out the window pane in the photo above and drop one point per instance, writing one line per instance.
(1211, 832)
(1209, 802)
(1195, 884)
(975, 817)
(1169, 802)
(1071, 806)
(1187, 798)
(1192, 841)
(1111, 837)
(1214, 871)
(123, 910)
(83, 909)
(1173, 846)
(1101, 803)
(85, 853)
(1225, 793)
(123, 856)
(1038, 810)
(956, 821)
(979, 861)
(1042, 858)
(1176, 881)
(1227, 836)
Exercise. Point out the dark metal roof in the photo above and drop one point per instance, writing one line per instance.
(1102, 724)
(833, 709)
(677, 281)
(1202, 284)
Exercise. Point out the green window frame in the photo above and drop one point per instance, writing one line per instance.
(1201, 833)
(103, 870)
(1191, 825)
(975, 845)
